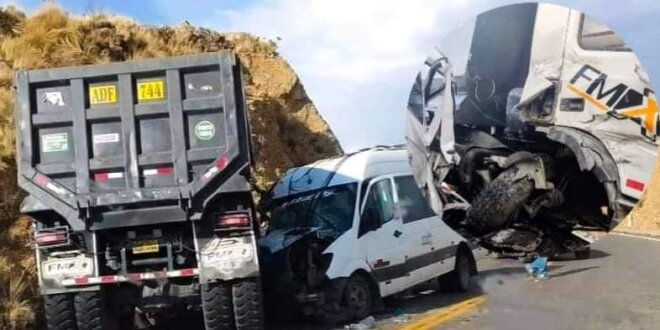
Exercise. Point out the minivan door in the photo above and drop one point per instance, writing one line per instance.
(424, 238)
(379, 236)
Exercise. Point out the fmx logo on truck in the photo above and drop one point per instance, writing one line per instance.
(620, 101)
(139, 190)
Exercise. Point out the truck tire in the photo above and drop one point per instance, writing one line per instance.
(458, 280)
(357, 297)
(217, 306)
(499, 200)
(90, 310)
(60, 313)
(248, 304)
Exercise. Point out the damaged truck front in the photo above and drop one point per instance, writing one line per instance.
(531, 126)
(137, 176)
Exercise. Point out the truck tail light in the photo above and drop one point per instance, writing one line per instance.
(52, 238)
(233, 221)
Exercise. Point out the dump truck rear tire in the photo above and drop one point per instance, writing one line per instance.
(499, 200)
(60, 313)
(90, 310)
(248, 306)
(217, 306)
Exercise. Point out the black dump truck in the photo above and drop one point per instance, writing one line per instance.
(137, 176)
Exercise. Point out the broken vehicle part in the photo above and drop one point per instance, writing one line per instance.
(553, 127)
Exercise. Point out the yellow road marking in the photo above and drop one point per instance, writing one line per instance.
(446, 314)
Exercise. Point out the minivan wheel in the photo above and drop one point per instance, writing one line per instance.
(357, 297)
(60, 313)
(458, 280)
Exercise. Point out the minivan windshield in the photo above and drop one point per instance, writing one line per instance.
(328, 208)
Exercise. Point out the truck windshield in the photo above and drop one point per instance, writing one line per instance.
(328, 208)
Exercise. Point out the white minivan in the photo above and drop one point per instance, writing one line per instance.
(345, 232)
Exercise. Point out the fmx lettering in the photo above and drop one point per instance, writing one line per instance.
(616, 98)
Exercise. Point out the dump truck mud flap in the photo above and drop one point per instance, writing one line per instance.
(52, 272)
(227, 258)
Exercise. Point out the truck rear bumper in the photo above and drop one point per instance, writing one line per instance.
(132, 277)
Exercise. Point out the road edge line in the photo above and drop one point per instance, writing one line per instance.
(650, 238)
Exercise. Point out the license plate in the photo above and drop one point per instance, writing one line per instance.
(102, 94)
(151, 90)
(67, 267)
(146, 247)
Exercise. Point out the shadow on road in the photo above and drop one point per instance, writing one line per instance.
(512, 271)
(594, 254)
(573, 271)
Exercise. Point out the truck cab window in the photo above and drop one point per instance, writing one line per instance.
(596, 36)
(411, 202)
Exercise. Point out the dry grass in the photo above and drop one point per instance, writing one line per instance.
(278, 107)
(645, 218)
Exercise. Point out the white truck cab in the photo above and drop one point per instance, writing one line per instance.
(345, 232)
(542, 119)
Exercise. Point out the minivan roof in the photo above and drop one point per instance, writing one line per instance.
(353, 167)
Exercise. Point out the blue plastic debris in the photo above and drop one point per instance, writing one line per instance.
(538, 267)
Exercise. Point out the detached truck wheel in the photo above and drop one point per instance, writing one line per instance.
(90, 310)
(60, 313)
(499, 200)
(217, 306)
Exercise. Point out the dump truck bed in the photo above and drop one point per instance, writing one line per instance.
(133, 142)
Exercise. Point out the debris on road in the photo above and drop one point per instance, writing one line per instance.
(367, 323)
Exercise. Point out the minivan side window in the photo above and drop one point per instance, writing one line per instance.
(596, 36)
(381, 200)
(412, 204)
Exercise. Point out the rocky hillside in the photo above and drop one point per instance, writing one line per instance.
(287, 129)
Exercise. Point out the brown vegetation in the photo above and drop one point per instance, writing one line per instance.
(287, 129)
(645, 218)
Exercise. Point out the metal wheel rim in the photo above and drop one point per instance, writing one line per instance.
(357, 298)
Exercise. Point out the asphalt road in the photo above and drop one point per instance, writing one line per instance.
(618, 288)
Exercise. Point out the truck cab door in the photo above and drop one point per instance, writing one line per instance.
(430, 125)
(380, 235)
(606, 92)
